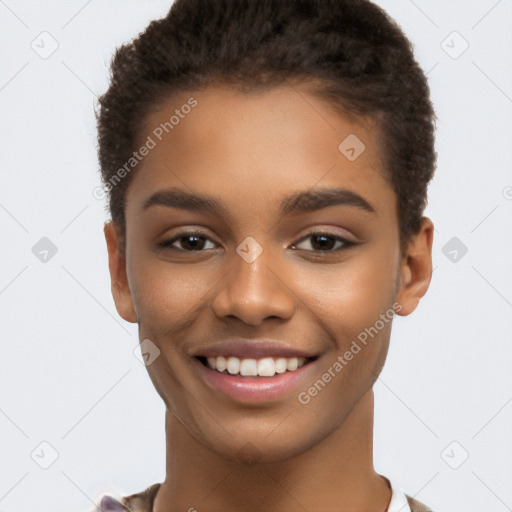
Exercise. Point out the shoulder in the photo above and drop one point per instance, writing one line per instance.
(417, 506)
(138, 502)
(143, 502)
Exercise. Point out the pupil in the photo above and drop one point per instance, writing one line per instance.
(322, 244)
(194, 245)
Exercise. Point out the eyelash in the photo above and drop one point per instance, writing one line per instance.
(167, 244)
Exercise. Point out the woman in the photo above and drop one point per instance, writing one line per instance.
(267, 165)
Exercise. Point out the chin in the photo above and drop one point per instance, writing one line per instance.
(267, 446)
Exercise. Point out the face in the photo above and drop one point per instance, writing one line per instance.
(254, 239)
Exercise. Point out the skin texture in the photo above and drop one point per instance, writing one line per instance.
(250, 151)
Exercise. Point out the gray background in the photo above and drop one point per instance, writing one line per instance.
(68, 374)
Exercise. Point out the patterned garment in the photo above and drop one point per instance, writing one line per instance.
(143, 502)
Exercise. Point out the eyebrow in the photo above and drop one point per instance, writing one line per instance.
(305, 201)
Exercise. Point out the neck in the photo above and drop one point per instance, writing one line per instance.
(335, 475)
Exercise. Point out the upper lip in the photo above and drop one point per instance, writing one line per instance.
(252, 349)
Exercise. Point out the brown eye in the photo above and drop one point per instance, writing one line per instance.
(325, 242)
(189, 241)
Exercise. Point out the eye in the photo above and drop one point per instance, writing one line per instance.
(191, 241)
(325, 242)
(195, 241)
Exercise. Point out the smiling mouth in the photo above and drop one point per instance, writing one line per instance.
(251, 367)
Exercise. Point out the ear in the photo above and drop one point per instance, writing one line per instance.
(416, 268)
(117, 266)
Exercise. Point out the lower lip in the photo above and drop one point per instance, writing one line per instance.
(255, 389)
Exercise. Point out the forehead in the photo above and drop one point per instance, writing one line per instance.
(265, 144)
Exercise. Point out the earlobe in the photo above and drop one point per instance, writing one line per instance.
(118, 278)
(416, 269)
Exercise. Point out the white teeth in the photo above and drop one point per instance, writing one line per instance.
(265, 367)
(221, 363)
(292, 364)
(281, 365)
(249, 367)
(233, 365)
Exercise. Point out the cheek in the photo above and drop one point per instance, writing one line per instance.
(354, 306)
(348, 297)
(167, 295)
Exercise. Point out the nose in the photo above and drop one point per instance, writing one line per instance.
(253, 291)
